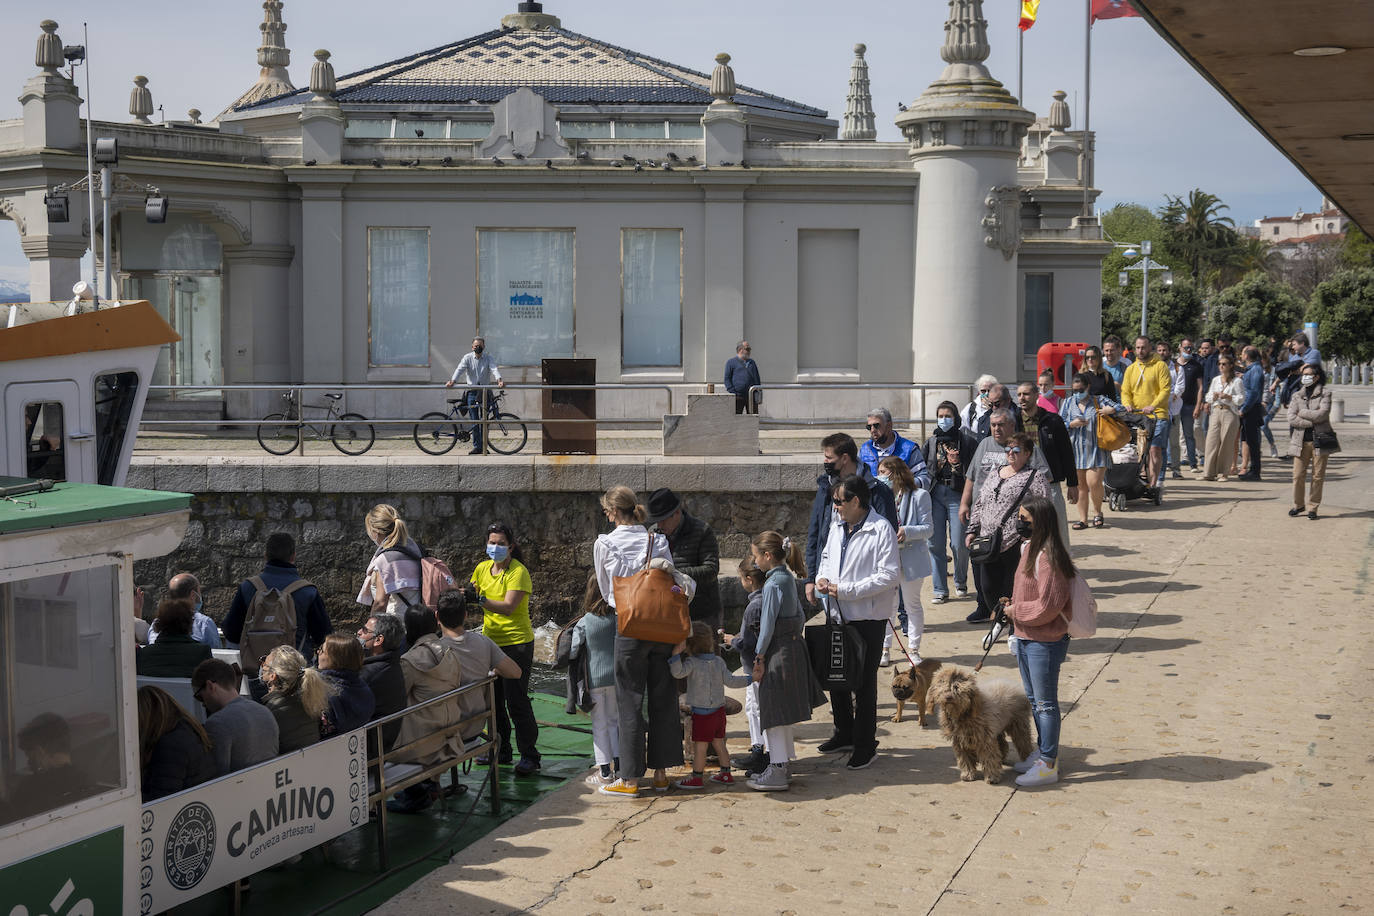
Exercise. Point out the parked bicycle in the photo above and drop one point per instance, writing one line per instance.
(351, 433)
(437, 433)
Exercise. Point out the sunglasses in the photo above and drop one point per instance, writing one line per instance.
(1014, 450)
(837, 501)
(872, 426)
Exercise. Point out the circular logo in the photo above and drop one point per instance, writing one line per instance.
(352, 744)
(190, 846)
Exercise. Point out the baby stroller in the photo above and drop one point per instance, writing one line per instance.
(1126, 478)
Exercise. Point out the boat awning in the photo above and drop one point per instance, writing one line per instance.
(132, 324)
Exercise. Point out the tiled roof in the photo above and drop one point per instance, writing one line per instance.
(562, 66)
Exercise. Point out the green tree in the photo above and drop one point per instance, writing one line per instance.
(1358, 251)
(1174, 311)
(1129, 224)
(1343, 308)
(1255, 309)
(1198, 232)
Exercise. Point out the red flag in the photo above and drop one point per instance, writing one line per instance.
(1112, 9)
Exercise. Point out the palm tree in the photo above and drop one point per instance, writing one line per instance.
(1198, 227)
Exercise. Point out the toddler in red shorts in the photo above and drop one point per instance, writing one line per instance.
(707, 676)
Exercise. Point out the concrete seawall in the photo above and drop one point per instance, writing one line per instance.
(551, 502)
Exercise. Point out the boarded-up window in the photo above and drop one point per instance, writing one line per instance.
(827, 299)
(1039, 319)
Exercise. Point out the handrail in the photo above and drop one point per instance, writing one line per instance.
(922, 417)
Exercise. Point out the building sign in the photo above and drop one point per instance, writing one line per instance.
(199, 840)
(80, 879)
(525, 294)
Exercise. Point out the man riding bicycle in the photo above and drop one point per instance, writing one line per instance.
(477, 368)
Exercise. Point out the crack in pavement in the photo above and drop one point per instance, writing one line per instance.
(622, 827)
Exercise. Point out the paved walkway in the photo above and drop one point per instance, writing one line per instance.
(1216, 756)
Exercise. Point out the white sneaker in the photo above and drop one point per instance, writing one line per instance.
(1031, 760)
(886, 659)
(961, 592)
(596, 780)
(1039, 775)
(774, 779)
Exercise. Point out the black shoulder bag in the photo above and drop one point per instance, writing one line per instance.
(987, 547)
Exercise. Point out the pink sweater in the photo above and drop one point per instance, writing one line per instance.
(1037, 601)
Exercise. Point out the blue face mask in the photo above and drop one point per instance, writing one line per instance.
(945, 423)
(498, 552)
(199, 604)
(1081, 395)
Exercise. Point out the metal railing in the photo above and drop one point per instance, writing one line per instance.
(922, 417)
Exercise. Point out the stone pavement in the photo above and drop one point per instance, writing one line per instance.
(1216, 755)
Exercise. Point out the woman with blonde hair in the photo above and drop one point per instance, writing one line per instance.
(392, 581)
(297, 695)
(640, 666)
(915, 523)
(173, 750)
(351, 703)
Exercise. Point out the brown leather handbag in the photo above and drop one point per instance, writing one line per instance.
(650, 605)
(1112, 434)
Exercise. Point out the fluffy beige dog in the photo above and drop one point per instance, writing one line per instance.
(978, 715)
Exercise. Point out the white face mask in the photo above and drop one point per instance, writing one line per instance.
(1308, 381)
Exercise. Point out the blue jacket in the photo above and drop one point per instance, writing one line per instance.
(740, 375)
(904, 449)
(822, 513)
(350, 706)
(312, 621)
(1253, 382)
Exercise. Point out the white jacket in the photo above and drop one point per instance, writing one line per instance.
(621, 553)
(871, 572)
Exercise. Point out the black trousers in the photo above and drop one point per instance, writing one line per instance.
(996, 577)
(856, 713)
(1250, 423)
(742, 404)
(513, 704)
(641, 669)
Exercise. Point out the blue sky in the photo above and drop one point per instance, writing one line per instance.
(1161, 129)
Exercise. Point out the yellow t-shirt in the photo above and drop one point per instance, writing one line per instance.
(505, 629)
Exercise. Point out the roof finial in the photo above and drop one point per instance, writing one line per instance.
(966, 35)
(141, 101)
(858, 104)
(273, 54)
(723, 79)
(322, 75)
(194, 115)
(529, 14)
(49, 52)
(1059, 112)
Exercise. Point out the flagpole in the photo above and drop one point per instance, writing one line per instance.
(1020, 66)
(1087, 99)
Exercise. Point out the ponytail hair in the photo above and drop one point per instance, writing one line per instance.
(292, 676)
(385, 522)
(749, 570)
(621, 500)
(782, 550)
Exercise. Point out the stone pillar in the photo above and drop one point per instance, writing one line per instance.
(321, 253)
(724, 127)
(724, 268)
(52, 107)
(54, 265)
(322, 121)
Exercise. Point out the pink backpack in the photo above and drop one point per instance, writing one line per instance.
(435, 577)
(1082, 619)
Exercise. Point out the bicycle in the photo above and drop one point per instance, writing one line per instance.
(350, 432)
(437, 433)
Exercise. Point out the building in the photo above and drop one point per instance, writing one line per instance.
(1300, 226)
(562, 196)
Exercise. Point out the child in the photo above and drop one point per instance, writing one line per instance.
(707, 677)
(751, 577)
(594, 634)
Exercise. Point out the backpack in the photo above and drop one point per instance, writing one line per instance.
(435, 577)
(1082, 618)
(271, 621)
(562, 646)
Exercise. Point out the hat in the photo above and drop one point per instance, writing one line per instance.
(663, 502)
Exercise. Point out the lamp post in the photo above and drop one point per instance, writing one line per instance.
(1144, 266)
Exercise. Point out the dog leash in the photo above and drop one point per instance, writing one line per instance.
(994, 633)
(897, 638)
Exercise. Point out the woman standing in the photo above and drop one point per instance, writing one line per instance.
(914, 525)
(1080, 411)
(1039, 609)
(503, 591)
(641, 666)
(392, 581)
(782, 668)
(297, 696)
(1311, 440)
(948, 454)
(1224, 398)
(994, 510)
(1101, 383)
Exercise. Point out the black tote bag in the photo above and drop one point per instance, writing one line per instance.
(837, 656)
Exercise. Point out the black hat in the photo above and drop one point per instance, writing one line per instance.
(663, 502)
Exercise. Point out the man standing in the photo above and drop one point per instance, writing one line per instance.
(280, 572)
(1145, 388)
(999, 398)
(1053, 453)
(186, 587)
(475, 371)
(1191, 367)
(1173, 456)
(382, 636)
(858, 580)
(884, 441)
(695, 552)
(742, 374)
(978, 408)
(840, 457)
(244, 733)
(1113, 360)
(1252, 411)
(988, 458)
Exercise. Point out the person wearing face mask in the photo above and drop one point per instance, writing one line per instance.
(976, 409)
(949, 452)
(839, 458)
(382, 637)
(186, 587)
(1079, 413)
(1192, 370)
(1044, 384)
(1311, 440)
(503, 591)
(475, 371)
(1173, 453)
(1000, 492)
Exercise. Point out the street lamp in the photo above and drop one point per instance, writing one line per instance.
(1144, 266)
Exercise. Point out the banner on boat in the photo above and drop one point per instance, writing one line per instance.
(202, 839)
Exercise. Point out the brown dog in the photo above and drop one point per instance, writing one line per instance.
(978, 715)
(910, 686)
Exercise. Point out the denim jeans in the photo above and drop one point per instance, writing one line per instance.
(1039, 663)
(944, 506)
(472, 409)
(1189, 434)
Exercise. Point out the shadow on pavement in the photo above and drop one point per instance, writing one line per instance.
(1176, 768)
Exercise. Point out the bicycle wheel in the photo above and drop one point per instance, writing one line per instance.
(436, 434)
(352, 435)
(279, 439)
(506, 435)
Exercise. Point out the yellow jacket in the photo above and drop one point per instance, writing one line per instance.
(1146, 386)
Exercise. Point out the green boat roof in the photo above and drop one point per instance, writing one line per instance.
(69, 504)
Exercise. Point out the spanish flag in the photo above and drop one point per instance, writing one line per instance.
(1029, 8)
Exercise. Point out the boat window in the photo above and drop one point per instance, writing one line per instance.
(44, 441)
(60, 727)
(114, 403)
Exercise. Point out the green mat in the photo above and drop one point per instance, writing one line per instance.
(343, 878)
